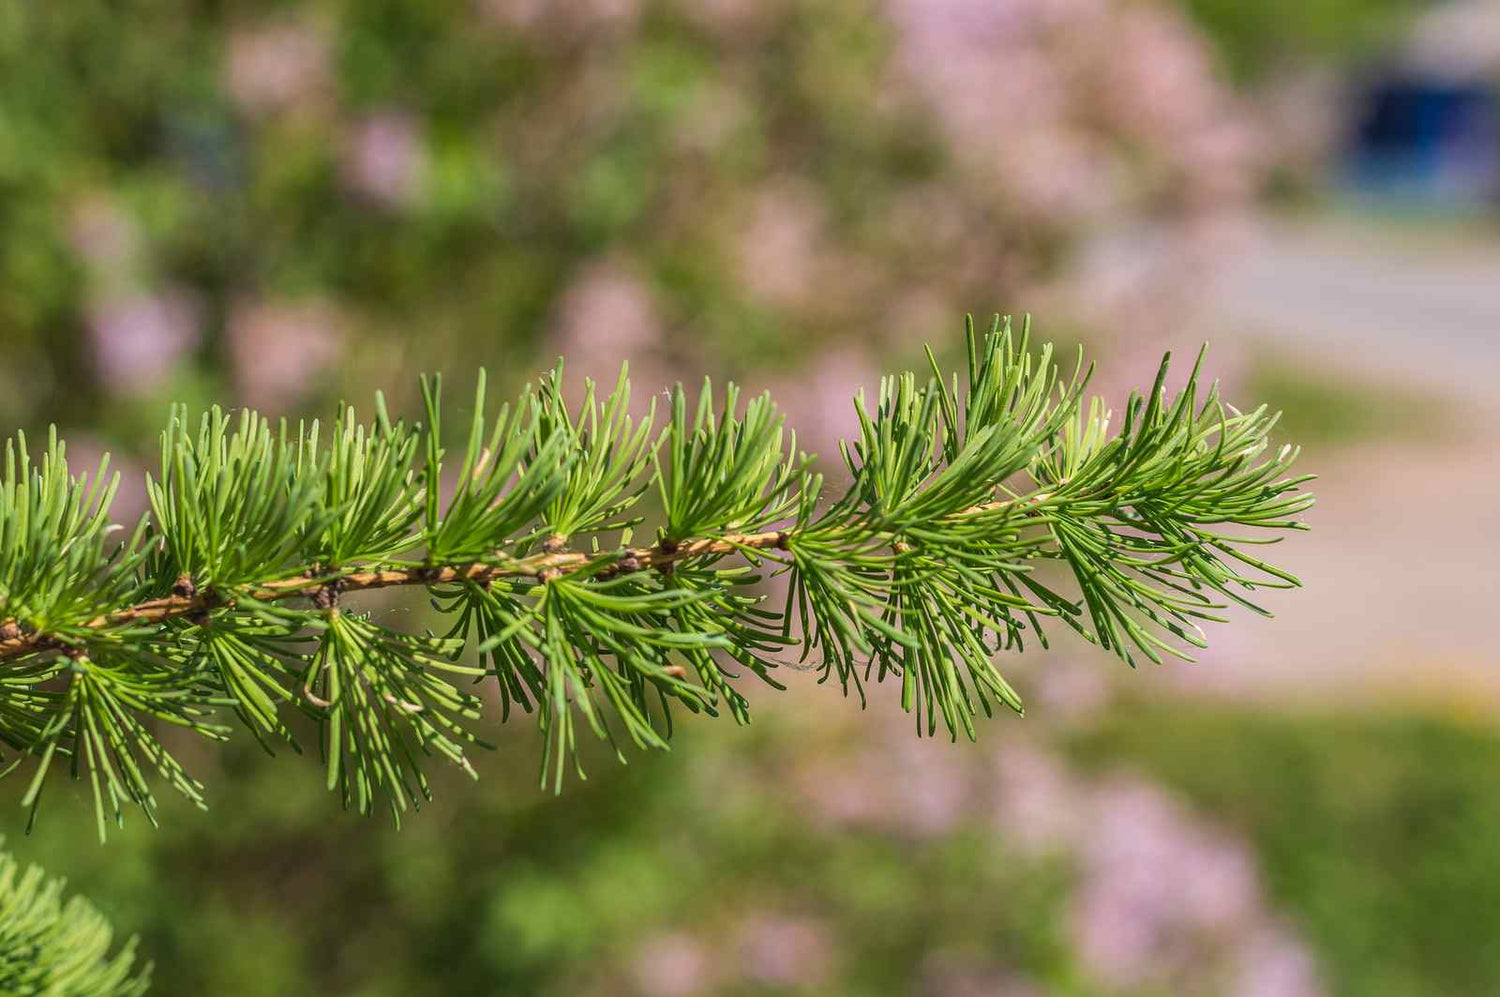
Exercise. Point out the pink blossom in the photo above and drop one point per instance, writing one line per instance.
(1153, 878)
(841, 792)
(929, 792)
(102, 231)
(1274, 962)
(276, 64)
(778, 247)
(783, 951)
(1070, 690)
(819, 398)
(607, 317)
(384, 158)
(84, 454)
(139, 339)
(582, 17)
(1164, 899)
(671, 965)
(608, 308)
(1082, 118)
(731, 18)
(1038, 806)
(278, 348)
(908, 786)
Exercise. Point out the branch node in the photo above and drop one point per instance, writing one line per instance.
(184, 587)
(668, 548)
(327, 596)
(554, 543)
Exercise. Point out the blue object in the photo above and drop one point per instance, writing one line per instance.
(1428, 140)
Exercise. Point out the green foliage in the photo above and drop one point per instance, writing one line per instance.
(1257, 39)
(512, 891)
(98, 723)
(725, 473)
(230, 505)
(484, 506)
(48, 946)
(1372, 829)
(55, 568)
(613, 451)
(924, 568)
(1339, 408)
(368, 479)
(384, 702)
(1375, 831)
(394, 167)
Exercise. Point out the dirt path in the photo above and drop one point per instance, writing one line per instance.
(1403, 588)
(1407, 303)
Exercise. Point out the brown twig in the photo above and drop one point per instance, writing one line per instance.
(195, 602)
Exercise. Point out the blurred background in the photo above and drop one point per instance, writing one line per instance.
(284, 205)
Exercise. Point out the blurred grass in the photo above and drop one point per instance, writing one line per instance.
(1330, 407)
(545, 156)
(1256, 40)
(1376, 832)
(502, 888)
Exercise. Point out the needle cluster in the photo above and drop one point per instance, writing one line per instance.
(49, 945)
(973, 506)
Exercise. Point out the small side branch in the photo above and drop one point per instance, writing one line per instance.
(192, 602)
